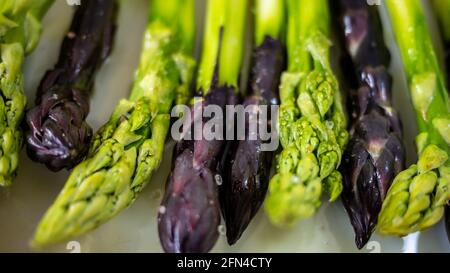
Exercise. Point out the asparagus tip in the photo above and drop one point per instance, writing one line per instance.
(362, 238)
(234, 232)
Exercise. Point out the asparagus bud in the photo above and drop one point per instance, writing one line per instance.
(58, 133)
(418, 195)
(20, 29)
(189, 216)
(246, 165)
(375, 154)
(311, 120)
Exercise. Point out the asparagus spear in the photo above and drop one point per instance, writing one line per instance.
(442, 10)
(189, 216)
(375, 154)
(58, 134)
(247, 165)
(311, 120)
(418, 195)
(129, 147)
(20, 28)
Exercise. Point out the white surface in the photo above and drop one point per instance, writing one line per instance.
(135, 230)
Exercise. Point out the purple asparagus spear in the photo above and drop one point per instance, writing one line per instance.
(247, 166)
(58, 134)
(375, 153)
(189, 216)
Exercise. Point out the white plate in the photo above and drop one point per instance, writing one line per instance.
(135, 230)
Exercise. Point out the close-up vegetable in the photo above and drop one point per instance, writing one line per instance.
(129, 147)
(312, 122)
(418, 195)
(59, 135)
(166, 125)
(247, 165)
(189, 215)
(375, 153)
(20, 28)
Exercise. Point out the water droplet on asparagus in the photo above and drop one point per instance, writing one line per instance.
(222, 230)
(162, 210)
(218, 179)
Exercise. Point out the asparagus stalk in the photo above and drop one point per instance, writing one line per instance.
(375, 154)
(442, 10)
(311, 120)
(58, 134)
(247, 165)
(129, 147)
(20, 28)
(418, 195)
(189, 215)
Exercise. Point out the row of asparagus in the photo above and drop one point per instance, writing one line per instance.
(360, 158)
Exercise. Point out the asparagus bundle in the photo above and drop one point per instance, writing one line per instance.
(129, 147)
(189, 215)
(20, 29)
(418, 195)
(311, 120)
(442, 10)
(247, 165)
(58, 134)
(375, 154)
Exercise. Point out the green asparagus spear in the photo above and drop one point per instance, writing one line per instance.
(20, 28)
(418, 195)
(129, 147)
(312, 122)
